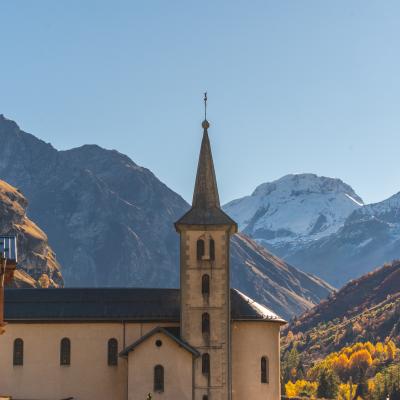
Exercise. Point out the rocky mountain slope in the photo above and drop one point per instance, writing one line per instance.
(111, 223)
(295, 210)
(256, 270)
(367, 308)
(37, 264)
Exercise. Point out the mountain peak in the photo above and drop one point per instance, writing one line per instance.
(307, 183)
(294, 209)
(8, 124)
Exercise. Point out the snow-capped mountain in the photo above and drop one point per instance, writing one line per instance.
(369, 237)
(294, 210)
(321, 225)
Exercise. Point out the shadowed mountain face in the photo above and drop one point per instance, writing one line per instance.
(262, 275)
(37, 265)
(109, 219)
(110, 222)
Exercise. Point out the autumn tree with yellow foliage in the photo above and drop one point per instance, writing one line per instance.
(356, 367)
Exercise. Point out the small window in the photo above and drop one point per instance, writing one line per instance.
(205, 363)
(212, 249)
(158, 378)
(65, 352)
(205, 285)
(205, 323)
(264, 370)
(112, 352)
(18, 354)
(200, 249)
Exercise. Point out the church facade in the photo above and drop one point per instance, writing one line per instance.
(204, 341)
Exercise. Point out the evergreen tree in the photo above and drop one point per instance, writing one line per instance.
(362, 388)
(290, 365)
(328, 384)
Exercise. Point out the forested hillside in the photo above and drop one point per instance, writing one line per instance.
(347, 342)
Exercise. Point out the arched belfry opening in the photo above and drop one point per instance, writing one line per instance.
(205, 248)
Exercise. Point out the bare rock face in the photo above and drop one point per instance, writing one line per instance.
(110, 222)
(37, 264)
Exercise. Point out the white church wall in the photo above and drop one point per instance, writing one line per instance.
(88, 377)
(176, 361)
(251, 341)
(42, 376)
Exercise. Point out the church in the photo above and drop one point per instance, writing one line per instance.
(203, 341)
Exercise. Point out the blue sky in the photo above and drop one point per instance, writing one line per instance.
(294, 86)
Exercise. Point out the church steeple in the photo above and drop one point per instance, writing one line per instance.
(206, 208)
(205, 232)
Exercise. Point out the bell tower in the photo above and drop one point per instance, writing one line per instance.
(205, 232)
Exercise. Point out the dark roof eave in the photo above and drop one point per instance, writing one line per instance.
(253, 319)
(223, 220)
(127, 319)
(89, 319)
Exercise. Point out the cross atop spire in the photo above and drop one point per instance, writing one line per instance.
(205, 123)
(205, 190)
(205, 106)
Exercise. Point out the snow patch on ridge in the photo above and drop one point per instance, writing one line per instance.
(355, 201)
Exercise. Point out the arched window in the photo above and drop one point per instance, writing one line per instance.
(65, 352)
(200, 249)
(264, 370)
(212, 249)
(205, 285)
(158, 378)
(205, 363)
(112, 352)
(205, 323)
(18, 354)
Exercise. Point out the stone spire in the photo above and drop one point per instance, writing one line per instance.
(206, 208)
(205, 193)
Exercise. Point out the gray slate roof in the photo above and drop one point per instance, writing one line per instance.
(113, 304)
(210, 216)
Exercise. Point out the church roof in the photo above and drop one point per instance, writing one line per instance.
(170, 332)
(206, 208)
(248, 306)
(114, 304)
